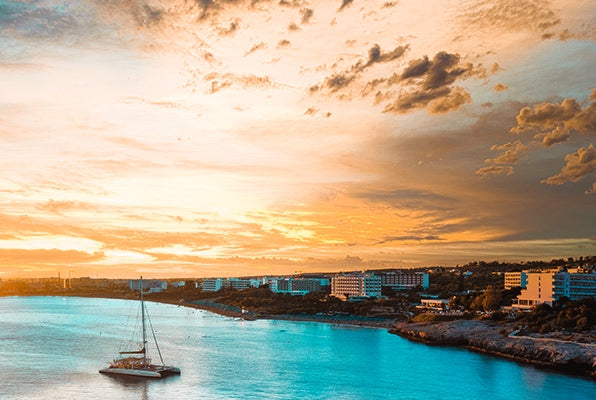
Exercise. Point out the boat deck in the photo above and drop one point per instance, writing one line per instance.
(153, 371)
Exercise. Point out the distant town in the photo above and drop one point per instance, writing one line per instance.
(477, 288)
(533, 312)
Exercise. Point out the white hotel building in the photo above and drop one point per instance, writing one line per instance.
(550, 285)
(346, 286)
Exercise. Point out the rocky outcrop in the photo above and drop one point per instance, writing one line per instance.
(495, 339)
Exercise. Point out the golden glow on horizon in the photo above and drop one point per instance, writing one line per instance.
(231, 138)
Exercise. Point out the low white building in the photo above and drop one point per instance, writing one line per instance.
(434, 304)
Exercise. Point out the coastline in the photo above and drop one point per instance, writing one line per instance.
(570, 357)
(234, 312)
(565, 356)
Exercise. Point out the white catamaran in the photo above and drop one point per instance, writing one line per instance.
(136, 363)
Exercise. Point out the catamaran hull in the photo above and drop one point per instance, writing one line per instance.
(143, 373)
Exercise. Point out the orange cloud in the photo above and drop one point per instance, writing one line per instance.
(578, 165)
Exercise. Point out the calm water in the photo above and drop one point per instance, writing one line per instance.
(52, 348)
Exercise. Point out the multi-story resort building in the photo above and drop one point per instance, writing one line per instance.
(150, 285)
(297, 286)
(400, 280)
(575, 284)
(349, 286)
(516, 279)
(550, 285)
(215, 284)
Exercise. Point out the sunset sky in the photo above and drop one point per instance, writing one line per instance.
(192, 138)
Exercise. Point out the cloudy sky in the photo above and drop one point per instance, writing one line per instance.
(230, 137)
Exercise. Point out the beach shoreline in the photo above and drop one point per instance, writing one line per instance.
(234, 312)
(569, 357)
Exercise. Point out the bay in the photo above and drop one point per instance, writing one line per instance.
(53, 347)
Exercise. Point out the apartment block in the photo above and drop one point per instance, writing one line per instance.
(149, 285)
(550, 285)
(215, 284)
(346, 286)
(295, 286)
(402, 280)
(516, 279)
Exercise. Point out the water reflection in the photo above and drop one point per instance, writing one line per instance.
(132, 383)
(223, 358)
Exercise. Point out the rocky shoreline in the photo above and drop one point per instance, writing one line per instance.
(572, 354)
(500, 340)
(568, 353)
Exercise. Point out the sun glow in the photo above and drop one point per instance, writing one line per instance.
(241, 136)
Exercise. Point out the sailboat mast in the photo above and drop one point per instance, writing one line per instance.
(143, 321)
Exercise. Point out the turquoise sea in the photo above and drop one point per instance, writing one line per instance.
(53, 347)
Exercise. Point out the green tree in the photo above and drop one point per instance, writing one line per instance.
(492, 299)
